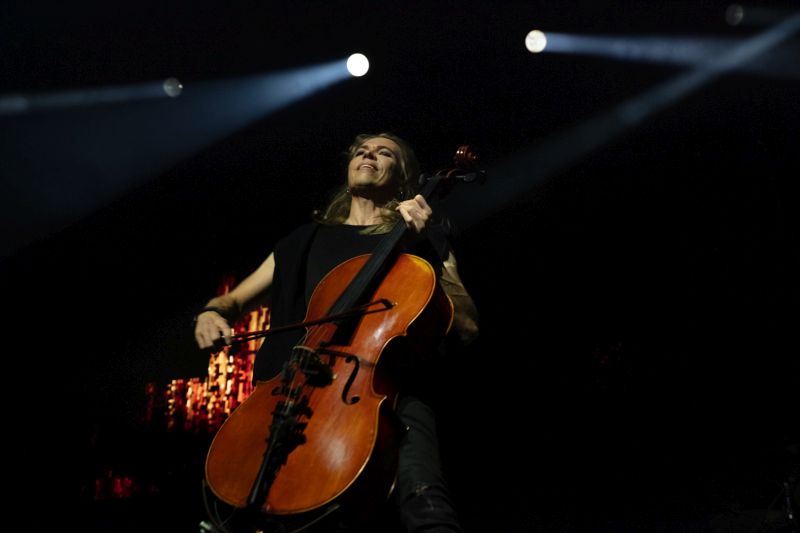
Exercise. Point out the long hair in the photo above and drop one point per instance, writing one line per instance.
(338, 208)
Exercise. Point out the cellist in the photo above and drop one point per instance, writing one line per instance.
(380, 190)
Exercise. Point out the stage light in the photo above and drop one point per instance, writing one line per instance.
(172, 87)
(756, 15)
(535, 41)
(734, 14)
(357, 65)
(695, 51)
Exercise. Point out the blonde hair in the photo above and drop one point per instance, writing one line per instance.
(338, 208)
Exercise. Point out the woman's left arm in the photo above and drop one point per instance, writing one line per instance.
(416, 212)
(465, 314)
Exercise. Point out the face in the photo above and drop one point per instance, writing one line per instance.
(375, 166)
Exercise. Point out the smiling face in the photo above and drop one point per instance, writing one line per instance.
(374, 167)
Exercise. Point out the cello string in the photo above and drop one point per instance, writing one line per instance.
(300, 358)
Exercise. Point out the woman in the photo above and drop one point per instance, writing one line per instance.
(380, 191)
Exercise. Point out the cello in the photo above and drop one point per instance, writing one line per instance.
(322, 435)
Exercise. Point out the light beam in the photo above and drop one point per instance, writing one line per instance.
(19, 103)
(73, 155)
(519, 174)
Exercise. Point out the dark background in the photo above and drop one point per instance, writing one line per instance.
(637, 366)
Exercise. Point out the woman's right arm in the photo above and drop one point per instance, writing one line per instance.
(213, 323)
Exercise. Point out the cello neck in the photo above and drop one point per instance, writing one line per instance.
(377, 260)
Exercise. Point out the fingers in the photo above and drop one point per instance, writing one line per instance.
(416, 213)
(212, 330)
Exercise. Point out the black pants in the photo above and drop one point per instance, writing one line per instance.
(420, 502)
(421, 498)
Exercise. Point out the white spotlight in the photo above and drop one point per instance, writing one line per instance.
(535, 41)
(357, 65)
(172, 87)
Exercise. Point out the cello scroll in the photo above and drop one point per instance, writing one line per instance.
(465, 168)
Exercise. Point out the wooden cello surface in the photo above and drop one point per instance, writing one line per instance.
(349, 434)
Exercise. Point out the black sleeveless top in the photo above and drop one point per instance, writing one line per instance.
(302, 259)
(333, 245)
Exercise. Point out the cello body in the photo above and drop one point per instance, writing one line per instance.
(350, 435)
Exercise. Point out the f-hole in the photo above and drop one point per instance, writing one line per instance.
(348, 359)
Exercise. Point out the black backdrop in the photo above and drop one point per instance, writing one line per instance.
(637, 365)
